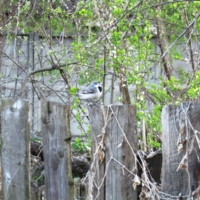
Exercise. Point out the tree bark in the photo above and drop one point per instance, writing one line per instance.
(163, 43)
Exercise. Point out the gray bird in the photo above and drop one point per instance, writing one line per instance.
(92, 91)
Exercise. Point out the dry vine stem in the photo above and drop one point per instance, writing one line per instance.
(148, 187)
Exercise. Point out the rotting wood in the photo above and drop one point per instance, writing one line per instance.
(57, 151)
(180, 126)
(114, 144)
(15, 150)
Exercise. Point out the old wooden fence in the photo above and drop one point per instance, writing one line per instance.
(118, 169)
(16, 151)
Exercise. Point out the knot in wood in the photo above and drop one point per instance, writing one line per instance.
(61, 154)
(13, 109)
(45, 119)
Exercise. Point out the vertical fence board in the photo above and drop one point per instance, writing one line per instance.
(57, 151)
(77, 188)
(96, 183)
(178, 125)
(120, 127)
(15, 150)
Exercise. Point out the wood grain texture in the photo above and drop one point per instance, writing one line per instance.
(175, 126)
(97, 169)
(120, 127)
(57, 151)
(15, 150)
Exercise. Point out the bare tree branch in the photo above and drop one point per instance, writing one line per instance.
(54, 67)
(176, 40)
(189, 35)
(163, 43)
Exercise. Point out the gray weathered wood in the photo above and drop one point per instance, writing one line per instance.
(120, 127)
(38, 193)
(15, 150)
(77, 187)
(178, 124)
(57, 151)
(97, 168)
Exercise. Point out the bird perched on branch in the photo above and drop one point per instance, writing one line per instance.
(91, 92)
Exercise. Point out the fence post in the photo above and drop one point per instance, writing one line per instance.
(15, 150)
(57, 151)
(180, 137)
(114, 146)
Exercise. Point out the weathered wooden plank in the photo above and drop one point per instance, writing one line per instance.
(57, 151)
(119, 145)
(96, 179)
(178, 125)
(37, 193)
(77, 188)
(15, 150)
